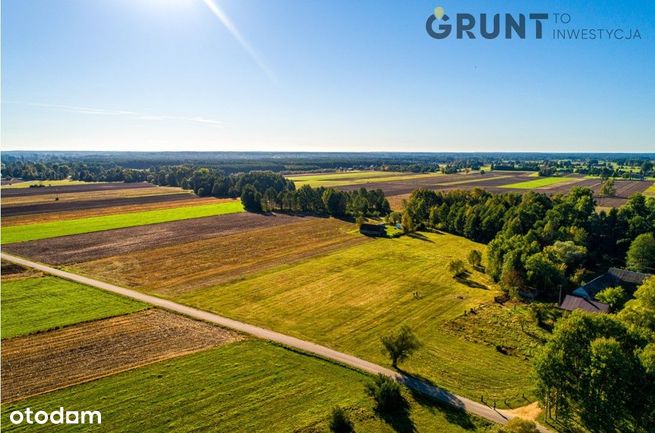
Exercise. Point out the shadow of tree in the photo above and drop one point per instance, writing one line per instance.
(433, 398)
(399, 420)
(419, 236)
(464, 279)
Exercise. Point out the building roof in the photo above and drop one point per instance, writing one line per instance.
(613, 277)
(629, 277)
(374, 229)
(576, 303)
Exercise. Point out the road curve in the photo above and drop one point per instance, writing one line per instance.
(412, 383)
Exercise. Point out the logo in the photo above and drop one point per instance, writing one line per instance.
(440, 25)
(57, 416)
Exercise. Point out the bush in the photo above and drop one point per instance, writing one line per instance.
(475, 258)
(615, 297)
(387, 395)
(339, 421)
(401, 345)
(518, 425)
(457, 268)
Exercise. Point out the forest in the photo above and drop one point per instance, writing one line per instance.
(538, 243)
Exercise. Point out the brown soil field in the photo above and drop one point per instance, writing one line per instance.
(442, 183)
(66, 189)
(92, 246)
(396, 201)
(52, 360)
(89, 195)
(397, 191)
(104, 207)
(182, 267)
(91, 203)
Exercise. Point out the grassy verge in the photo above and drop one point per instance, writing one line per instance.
(250, 386)
(541, 182)
(93, 224)
(38, 304)
(348, 299)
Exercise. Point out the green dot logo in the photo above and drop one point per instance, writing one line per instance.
(439, 12)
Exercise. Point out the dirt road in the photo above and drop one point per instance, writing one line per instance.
(414, 384)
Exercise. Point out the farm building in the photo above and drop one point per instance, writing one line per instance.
(373, 229)
(576, 303)
(614, 277)
(584, 297)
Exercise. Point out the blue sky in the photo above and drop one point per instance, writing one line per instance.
(309, 75)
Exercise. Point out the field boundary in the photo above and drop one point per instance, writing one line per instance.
(417, 385)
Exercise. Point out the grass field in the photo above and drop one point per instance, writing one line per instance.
(541, 182)
(53, 229)
(248, 386)
(185, 266)
(47, 183)
(350, 298)
(38, 304)
(355, 178)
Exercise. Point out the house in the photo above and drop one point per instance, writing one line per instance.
(373, 229)
(576, 303)
(614, 277)
(584, 297)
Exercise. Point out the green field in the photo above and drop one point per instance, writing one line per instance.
(22, 233)
(47, 183)
(355, 178)
(250, 386)
(348, 299)
(650, 191)
(541, 182)
(38, 304)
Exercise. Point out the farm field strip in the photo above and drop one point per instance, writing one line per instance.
(348, 299)
(107, 209)
(57, 359)
(244, 386)
(543, 182)
(97, 245)
(45, 198)
(650, 191)
(98, 204)
(108, 222)
(463, 182)
(9, 191)
(46, 183)
(222, 258)
(407, 186)
(38, 304)
(341, 179)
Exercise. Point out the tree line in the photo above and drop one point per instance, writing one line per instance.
(540, 242)
(317, 201)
